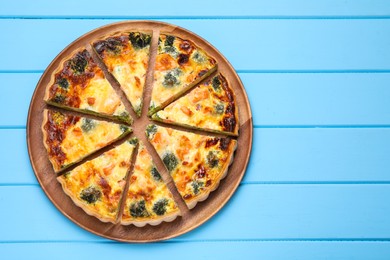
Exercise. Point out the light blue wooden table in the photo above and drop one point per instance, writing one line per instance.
(318, 78)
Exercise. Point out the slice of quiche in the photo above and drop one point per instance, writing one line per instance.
(97, 185)
(69, 138)
(180, 65)
(148, 200)
(210, 106)
(80, 85)
(196, 162)
(126, 56)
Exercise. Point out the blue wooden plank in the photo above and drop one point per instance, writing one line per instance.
(278, 156)
(295, 44)
(271, 212)
(320, 155)
(318, 99)
(17, 91)
(201, 250)
(277, 99)
(14, 162)
(203, 8)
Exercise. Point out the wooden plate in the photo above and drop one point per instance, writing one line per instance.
(190, 219)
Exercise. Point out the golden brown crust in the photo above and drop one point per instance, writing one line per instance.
(53, 133)
(153, 222)
(232, 102)
(44, 133)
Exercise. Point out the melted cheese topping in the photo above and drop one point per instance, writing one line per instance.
(129, 68)
(196, 162)
(83, 138)
(98, 95)
(179, 65)
(204, 107)
(97, 185)
(148, 197)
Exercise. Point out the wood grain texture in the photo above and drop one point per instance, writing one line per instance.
(188, 221)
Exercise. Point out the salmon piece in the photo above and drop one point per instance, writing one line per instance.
(165, 62)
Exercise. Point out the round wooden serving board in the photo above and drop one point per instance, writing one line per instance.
(190, 219)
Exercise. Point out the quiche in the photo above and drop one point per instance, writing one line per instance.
(148, 200)
(209, 106)
(97, 185)
(126, 56)
(195, 137)
(69, 138)
(196, 162)
(80, 85)
(180, 65)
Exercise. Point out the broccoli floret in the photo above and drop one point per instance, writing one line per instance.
(216, 84)
(78, 64)
(133, 141)
(138, 209)
(150, 131)
(113, 45)
(169, 40)
(219, 108)
(138, 110)
(156, 175)
(170, 80)
(196, 186)
(160, 207)
(139, 40)
(90, 194)
(212, 159)
(88, 124)
(59, 99)
(170, 161)
(125, 117)
(172, 51)
(152, 107)
(198, 57)
(124, 128)
(63, 83)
